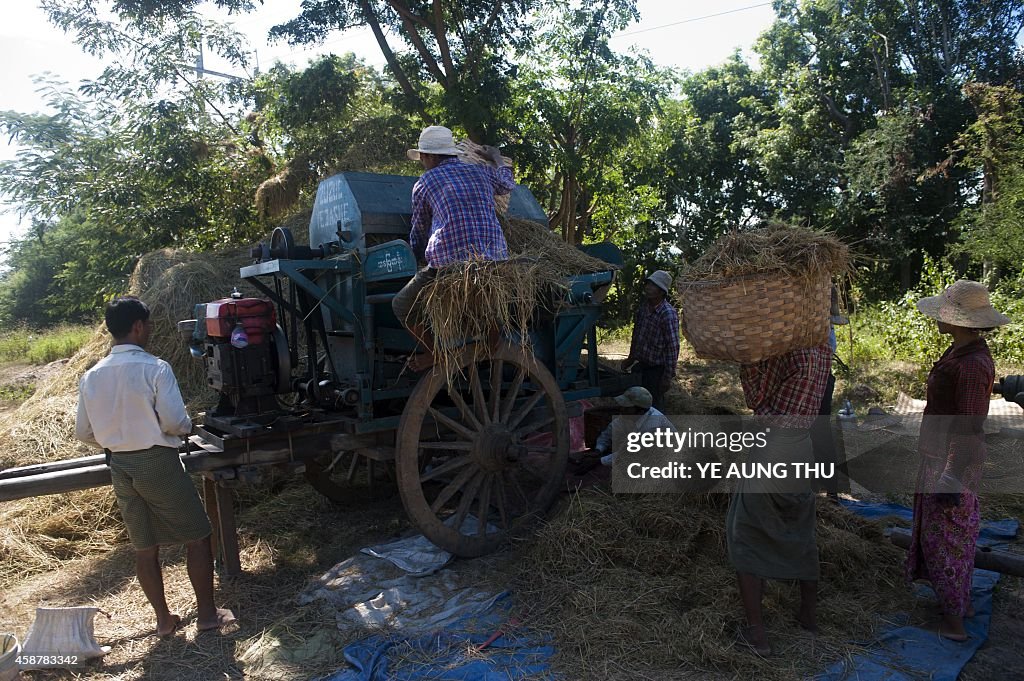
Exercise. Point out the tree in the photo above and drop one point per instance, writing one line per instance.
(992, 150)
(452, 64)
(334, 115)
(577, 108)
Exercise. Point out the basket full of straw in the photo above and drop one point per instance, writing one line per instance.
(760, 293)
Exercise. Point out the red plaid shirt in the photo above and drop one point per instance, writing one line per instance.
(788, 388)
(453, 216)
(953, 427)
(656, 336)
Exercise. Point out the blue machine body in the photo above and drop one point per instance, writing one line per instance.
(360, 226)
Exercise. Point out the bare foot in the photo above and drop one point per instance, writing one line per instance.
(755, 639)
(224, 617)
(952, 627)
(168, 627)
(421, 362)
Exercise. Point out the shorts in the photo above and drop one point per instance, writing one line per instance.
(158, 501)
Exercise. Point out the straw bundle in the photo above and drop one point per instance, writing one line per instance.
(472, 299)
(477, 298)
(529, 239)
(277, 194)
(794, 251)
(760, 293)
(620, 580)
(474, 153)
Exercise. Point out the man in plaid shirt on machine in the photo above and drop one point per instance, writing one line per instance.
(453, 221)
(654, 350)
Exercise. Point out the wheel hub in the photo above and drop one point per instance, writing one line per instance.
(495, 448)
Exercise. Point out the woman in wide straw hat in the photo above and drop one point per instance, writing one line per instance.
(952, 449)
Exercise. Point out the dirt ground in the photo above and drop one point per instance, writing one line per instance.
(290, 535)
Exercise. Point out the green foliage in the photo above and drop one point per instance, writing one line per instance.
(993, 147)
(446, 56)
(896, 329)
(334, 115)
(907, 333)
(42, 347)
(14, 394)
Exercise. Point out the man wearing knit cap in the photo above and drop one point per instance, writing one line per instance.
(654, 350)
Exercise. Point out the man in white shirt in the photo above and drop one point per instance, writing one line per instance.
(130, 405)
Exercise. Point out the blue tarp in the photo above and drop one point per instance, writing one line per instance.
(909, 653)
(450, 654)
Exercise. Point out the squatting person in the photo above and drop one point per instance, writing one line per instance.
(129, 404)
(770, 526)
(453, 220)
(952, 449)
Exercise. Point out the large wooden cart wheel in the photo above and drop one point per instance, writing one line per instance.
(482, 455)
(350, 479)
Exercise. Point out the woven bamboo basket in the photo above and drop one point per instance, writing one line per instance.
(754, 317)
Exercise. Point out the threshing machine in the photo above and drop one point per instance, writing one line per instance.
(320, 364)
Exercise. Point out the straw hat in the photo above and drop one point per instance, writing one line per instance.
(436, 139)
(661, 279)
(635, 397)
(965, 304)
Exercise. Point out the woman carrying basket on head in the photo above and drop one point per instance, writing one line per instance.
(952, 449)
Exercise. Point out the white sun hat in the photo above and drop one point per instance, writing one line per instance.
(964, 303)
(637, 396)
(661, 279)
(436, 139)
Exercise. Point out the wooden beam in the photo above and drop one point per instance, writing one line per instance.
(228, 532)
(77, 474)
(56, 482)
(985, 558)
(50, 466)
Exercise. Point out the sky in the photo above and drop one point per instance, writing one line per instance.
(686, 34)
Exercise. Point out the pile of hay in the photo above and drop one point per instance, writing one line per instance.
(171, 283)
(471, 299)
(37, 531)
(777, 247)
(279, 193)
(634, 582)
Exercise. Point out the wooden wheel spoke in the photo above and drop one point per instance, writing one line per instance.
(446, 467)
(452, 424)
(479, 403)
(510, 396)
(526, 409)
(468, 495)
(511, 475)
(497, 369)
(452, 487)
(501, 502)
(484, 508)
(534, 427)
(352, 468)
(460, 404)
